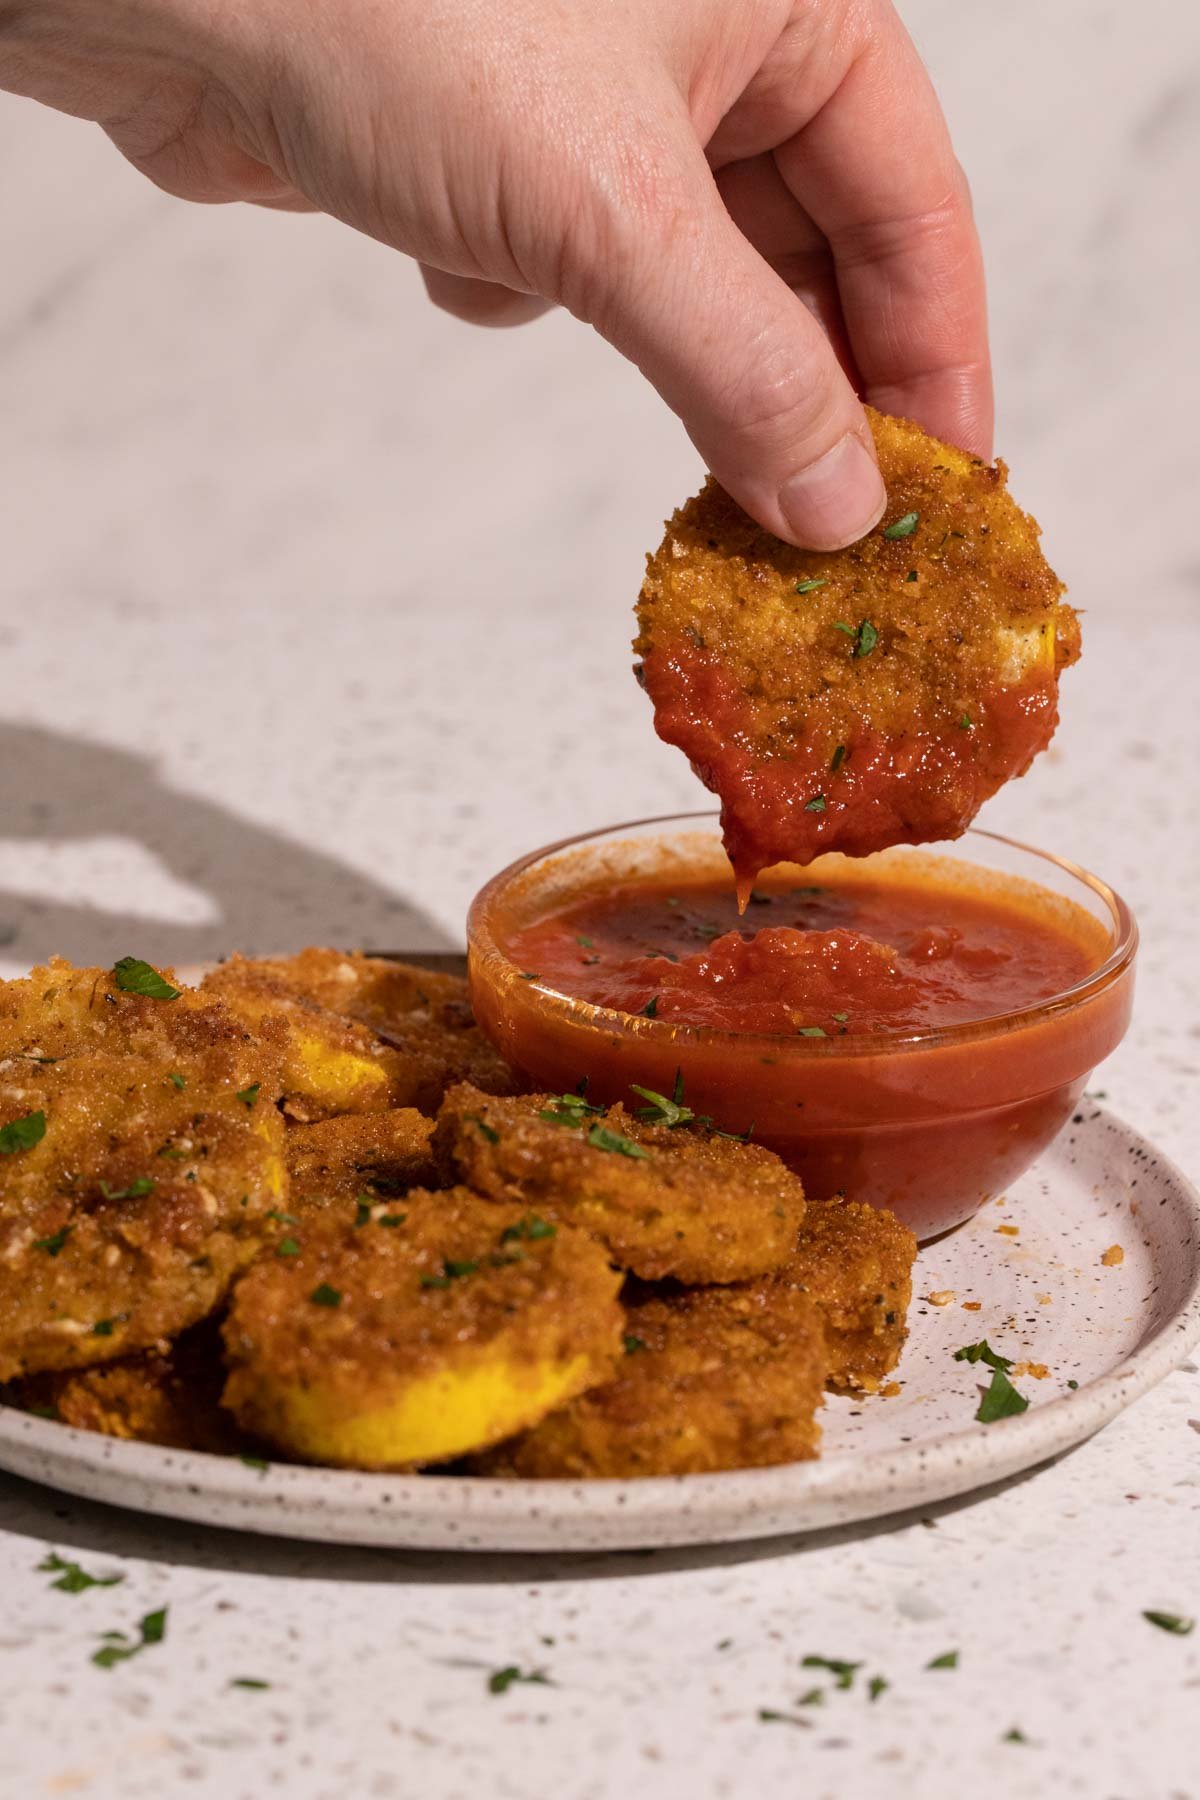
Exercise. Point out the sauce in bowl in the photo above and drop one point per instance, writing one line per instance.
(909, 1029)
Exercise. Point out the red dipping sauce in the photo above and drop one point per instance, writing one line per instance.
(908, 1029)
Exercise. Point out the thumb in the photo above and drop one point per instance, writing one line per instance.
(747, 368)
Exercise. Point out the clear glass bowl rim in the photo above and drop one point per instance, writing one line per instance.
(606, 1018)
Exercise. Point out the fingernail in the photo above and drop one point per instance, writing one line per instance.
(837, 499)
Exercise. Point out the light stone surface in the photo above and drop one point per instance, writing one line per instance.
(315, 610)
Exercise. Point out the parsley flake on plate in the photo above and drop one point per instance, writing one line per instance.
(1001, 1400)
(118, 1647)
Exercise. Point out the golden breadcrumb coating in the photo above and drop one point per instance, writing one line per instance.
(681, 1203)
(438, 1325)
(135, 1176)
(712, 1378)
(870, 696)
(416, 1027)
(169, 1395)
(855, 1262)
(362, 1153)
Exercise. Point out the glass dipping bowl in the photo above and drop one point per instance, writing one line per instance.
(929, 1123)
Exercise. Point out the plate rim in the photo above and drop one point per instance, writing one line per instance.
(187, 1482)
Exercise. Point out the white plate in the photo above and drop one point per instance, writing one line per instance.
(1045, 1296)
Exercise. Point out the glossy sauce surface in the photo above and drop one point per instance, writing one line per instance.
(830, 959)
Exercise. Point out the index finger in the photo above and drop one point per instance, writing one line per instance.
(876, 171)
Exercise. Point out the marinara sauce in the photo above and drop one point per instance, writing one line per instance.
(818, 960)
(910, 1030)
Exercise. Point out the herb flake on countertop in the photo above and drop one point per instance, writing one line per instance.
(133, 976)
(500, 1680)
(118, 1647)
(71, 1578)
(947, 1660)
(843, 1671)
(1175, 1623)
(769, 1716)
(22, 1134)
(877, 1685)
(248, 1681)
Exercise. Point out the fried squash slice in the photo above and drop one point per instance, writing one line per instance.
(712, 1378)
(435, 1327)
(855, 1263)
(871, 696)
(362, 1154)
(684, 1203)
(140, 1154)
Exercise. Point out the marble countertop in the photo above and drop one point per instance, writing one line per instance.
(315, 611)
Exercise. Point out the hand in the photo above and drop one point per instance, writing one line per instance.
(754, 200)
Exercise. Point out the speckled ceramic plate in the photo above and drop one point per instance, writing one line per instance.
(1038, 1273)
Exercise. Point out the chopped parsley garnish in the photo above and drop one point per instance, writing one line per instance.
(52, 1245)
(1001, 1401)
(947, 1660)
(1014, 1735)
(106, 1327)
(391, 1219)
(877, 1685)
(844, 1671)
(71, 1578)
(483, 1128)
(249, 1095)
(282, 1218)
(22, 1134)
(530, 1229)
(983, 1352)
(601, 1138)
(135, 1191)
(841, 625)
(650, 1010)
(1175, 1623)
(633, 1343)
(451, 1271)
(435, 1281)
(289, 1247)
(813, 1697)
(912, 575)
(661, 1111)
(530, 975)
(363, 1215)
(500, 1680)
(248, 1681)
(133, 976)
(966, 722)
(587, 943)
(811, 1031)
(255, 1462)
(769, 1716)
(324, 1295)
(902, 528)
(1072, 1385)
(865, 639)
(816, 804)
(837, 759)
(177, 1080)
(569, 1109)
(807, 587)
(840, 1018)
(119, 1647)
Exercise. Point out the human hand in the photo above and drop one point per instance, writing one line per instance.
(754, 200)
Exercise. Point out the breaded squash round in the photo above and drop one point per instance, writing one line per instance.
(133, 1187)
(439, 1325)
(873, 696)
(685, 1203)
(711, 1378)
(361, 1154)
(169, 1395)
(855, 1263)
(420, 1025)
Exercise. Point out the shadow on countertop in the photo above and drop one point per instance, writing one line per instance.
(269, 892)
